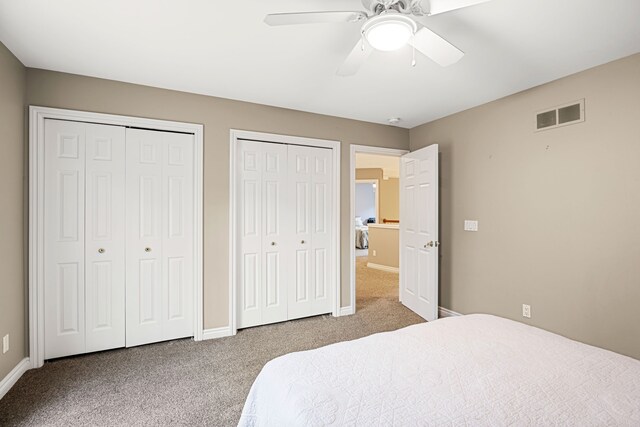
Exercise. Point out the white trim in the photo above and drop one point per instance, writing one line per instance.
(352, 202)
(209, 334)
(377, 194)
(347, 311)
(13, 376)
(445, 312)
(37, 116)
(383, 267)
(236, 134)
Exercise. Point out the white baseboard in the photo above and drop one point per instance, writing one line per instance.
(347, 311)
(383, 267)
(13, 376)
(445, 312)
(209, 334)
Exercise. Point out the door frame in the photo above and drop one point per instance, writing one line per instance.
(393, 152)
(377, 195)
(236, 135)
(37, 117)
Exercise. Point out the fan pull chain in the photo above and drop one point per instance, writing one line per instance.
(362, 41)
(413, 59)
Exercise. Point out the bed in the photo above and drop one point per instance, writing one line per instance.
(362, 237)
(469, 370)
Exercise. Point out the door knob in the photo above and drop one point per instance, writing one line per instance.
(101, 250)
(430, 244)
(147, 249)
(273, 243)
(302, 242)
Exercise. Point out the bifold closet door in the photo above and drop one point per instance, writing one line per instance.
(311, 272)
(159, 236)
(264, 241)
(84, 283)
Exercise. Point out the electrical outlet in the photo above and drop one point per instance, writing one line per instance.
(5, 344)
(526, 311)
(374, 252)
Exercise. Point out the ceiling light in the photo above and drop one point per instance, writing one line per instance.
(389, 31)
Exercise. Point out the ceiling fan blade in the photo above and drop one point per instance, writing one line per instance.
(435, 47)
(441, 6)
(355, 59)
(313, 18)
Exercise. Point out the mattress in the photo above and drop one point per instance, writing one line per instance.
(470, 370)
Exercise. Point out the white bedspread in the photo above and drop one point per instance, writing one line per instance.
(471, 370)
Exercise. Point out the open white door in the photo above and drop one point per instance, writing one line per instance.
(419, 231)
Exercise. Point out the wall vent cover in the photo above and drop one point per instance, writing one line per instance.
(562, 115)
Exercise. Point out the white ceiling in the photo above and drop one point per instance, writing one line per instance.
(390, 165)
(223, 48)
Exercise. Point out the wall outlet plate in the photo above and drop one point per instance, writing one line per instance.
(526, 311)
(374, 252)
(470, 225)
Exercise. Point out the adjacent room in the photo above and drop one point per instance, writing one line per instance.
(377, 217)
(294, 213)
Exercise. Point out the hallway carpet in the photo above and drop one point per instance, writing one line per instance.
(185, 382)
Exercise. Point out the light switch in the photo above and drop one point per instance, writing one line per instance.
(470, 225)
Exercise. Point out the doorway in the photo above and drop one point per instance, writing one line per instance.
(374, 225)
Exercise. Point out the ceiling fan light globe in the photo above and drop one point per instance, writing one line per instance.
(388, 33)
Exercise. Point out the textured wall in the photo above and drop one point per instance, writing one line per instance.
(12, 214)
(558, 210)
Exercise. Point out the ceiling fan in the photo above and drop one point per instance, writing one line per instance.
(386, 25)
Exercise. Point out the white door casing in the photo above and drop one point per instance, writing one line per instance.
(310, 186)
(419, 243)
(105, 237)
(263, 241)
(159, 236)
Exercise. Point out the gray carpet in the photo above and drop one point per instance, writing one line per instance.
(184, 382)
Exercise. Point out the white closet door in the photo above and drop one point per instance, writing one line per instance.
(178, 236)
(310, 174)
(159, 236)
(64, 296)
(104, 237)
(264, 241)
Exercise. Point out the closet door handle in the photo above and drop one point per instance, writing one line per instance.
(273, 243)
(101, 250)
(147, 249)
(302, 242)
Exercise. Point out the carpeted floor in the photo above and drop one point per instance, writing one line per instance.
(185, 382)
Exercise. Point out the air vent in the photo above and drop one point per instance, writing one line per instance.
(562, 115)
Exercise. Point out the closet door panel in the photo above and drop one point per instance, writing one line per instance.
(177, 236)
(249, 220)
(105, 237)
(276, 240)
(321, 226)
(64, 279)
(300, 188)
(264, 237)
(144, 165)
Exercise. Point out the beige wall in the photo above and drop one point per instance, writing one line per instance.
(12, 290)
(52, 89)
(389, 196)
(558, 210)
(384, 242)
